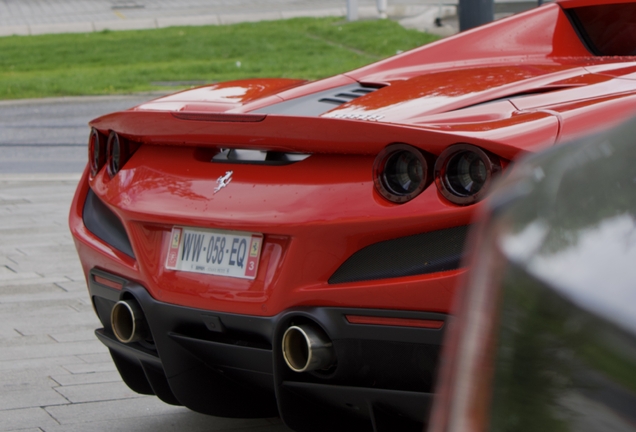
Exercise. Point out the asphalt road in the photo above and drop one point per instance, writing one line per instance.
(50, 135)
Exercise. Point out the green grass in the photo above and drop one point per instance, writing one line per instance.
(131, 61)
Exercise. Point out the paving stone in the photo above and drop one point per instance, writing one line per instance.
(83, 335)
(37, 281)
(10, 290)
(6, 200)
(40, 364)
(66, 250)
(83, 304)
(96, 358)
(69, 379)
(50, 350)
(34, 313)
(39, 297)
(72, 304)
(11, 197)
(82, 368)
(78, 286)
(87, 325)
(30, 399)
(25, 380)
(188, 421)
(95, 392)
(8, 274)
(50, 267)
(148, 413)
(10, 233)
(27, 430)
(77, 277)
(19, 419)
(13, 221)
(25, 239)
(27, 341)
(7, 333)
(109, 410)
(65, 362)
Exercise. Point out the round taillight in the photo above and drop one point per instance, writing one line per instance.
(463, 173)
(115, 154)
(96, 152)
(400, 173)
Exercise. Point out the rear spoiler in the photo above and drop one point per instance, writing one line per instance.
(282, 133)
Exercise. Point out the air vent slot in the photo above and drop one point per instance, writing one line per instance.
(343, 98)
(333, 101)
(316, 104)
(365, 90)
(261, 157)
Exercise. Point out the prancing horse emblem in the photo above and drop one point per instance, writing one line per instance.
(223, 181)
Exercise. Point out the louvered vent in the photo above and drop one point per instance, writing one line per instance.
(344, 97)
(319, 103)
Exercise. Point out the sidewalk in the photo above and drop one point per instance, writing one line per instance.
(55, 376)
(32, 17)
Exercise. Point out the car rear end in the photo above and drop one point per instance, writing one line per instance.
(251, 282)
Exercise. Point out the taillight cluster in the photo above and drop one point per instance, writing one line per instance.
(401, 172)
(113, 152)
(96, 152)
(462, 173)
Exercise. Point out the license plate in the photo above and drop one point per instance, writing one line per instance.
(215, 252)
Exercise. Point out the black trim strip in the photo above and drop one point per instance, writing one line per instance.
(418, 254)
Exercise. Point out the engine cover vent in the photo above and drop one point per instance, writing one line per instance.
(319, 103)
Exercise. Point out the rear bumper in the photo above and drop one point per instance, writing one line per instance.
(232, 365)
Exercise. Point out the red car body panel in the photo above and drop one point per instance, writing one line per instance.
(511, 87)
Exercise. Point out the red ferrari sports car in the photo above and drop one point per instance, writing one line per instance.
(277, 247)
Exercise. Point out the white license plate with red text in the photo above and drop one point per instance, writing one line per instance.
(215, 252)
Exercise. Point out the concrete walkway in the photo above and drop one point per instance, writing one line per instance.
(54, 374)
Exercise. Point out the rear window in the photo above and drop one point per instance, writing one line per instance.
(609, 29)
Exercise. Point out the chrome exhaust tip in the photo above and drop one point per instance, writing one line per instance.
(307, 348)
(128, 321)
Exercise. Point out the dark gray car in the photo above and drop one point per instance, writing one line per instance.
(545, 338)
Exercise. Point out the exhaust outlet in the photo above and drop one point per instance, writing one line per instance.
(307, 348)
(128, 321)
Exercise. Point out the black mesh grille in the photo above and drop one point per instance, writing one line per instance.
(406, 256)
(105, 224)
